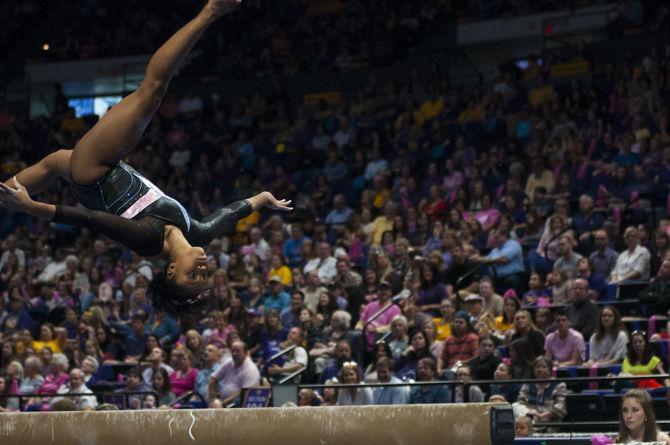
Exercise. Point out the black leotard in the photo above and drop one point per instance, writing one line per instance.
(129, 209)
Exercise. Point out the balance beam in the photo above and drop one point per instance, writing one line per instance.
(368, 425)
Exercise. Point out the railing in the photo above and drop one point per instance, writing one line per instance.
(558, 235)
(100, 395)
(466, 385)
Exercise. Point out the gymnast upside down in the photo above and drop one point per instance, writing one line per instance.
(123, 204)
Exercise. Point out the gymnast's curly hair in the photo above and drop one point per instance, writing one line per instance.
(169, 300)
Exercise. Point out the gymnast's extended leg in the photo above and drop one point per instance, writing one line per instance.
(121, 128)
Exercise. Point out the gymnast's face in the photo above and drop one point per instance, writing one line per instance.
(189, 272)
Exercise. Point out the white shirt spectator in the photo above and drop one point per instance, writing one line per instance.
(20, 256)
(234, 378)
(81, 402)
(326, 268)
(374, 168)
(637, 261)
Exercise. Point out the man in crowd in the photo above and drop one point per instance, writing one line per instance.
(236, 374)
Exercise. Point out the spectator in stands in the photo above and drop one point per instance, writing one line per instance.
(388, 395)
(50, 336)
(493, 303)
(405, 364)
(603, 258)
(523, 426)
(475, 393)
(290, 316)
(459, 268)
(506, 388)
(443, 323)
(382, 323)
(157, 359)
(544, 320)
(461, 346)
(351, 374)
(275, 298)
(292, 246)
(324, 263)
(609, 343)
(77, 391)
(483, 366)
(641, 360)
(537, 293)
(236, 374)
(597, 282)
(432, 291)
(524, 328)
(541, 178)
(507, 258)
(632, 263)
(657, 295)
(659, 250)
(342, 355)
(565, 346)
(567, 259)
(399, 339)
(32, 378)
(583, 314)
(426, 371)
(210, 363)
(383, 223)
(560, 287)
(505, 321)
(160, 382)
(293, 361)
(133, 384)
(164, 327)
(637, 422)
(58, 376)
(182, 379)
(542, 258)
(545, 401)
(587, 221)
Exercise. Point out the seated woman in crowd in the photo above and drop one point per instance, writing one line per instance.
(405, 364)
(399, 339)
(182, 380)
(506, 388)
(609, 344)
(505, 321)
(380, 350)
(7, 403)
(351, 374)
(435, 346)
(521, 359)
(641, 360)
(483, 366)
(637, 422)
(524, 328)
(161, 384)
(544, 402)
(475, 393)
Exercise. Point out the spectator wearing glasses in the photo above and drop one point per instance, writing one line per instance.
(583, 314)
(544, 402)
(632, 263)
(475, 393)
(597, 282)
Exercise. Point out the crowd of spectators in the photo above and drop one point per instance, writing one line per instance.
(473, 234)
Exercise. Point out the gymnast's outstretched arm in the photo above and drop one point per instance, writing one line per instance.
(223, 221)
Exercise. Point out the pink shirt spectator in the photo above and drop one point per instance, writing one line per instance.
(183, 384)
(383, 319)
(563, 349)
(217, 336)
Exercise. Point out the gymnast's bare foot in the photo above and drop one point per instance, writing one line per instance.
(219, 8)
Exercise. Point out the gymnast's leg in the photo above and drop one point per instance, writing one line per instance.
(121, 128)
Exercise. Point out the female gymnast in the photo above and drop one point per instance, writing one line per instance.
(123, 204)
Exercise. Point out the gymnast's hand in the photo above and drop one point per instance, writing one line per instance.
(222, 7)
(277, 204)
(15, 197)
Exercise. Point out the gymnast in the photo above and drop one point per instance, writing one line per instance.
(123, 204)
